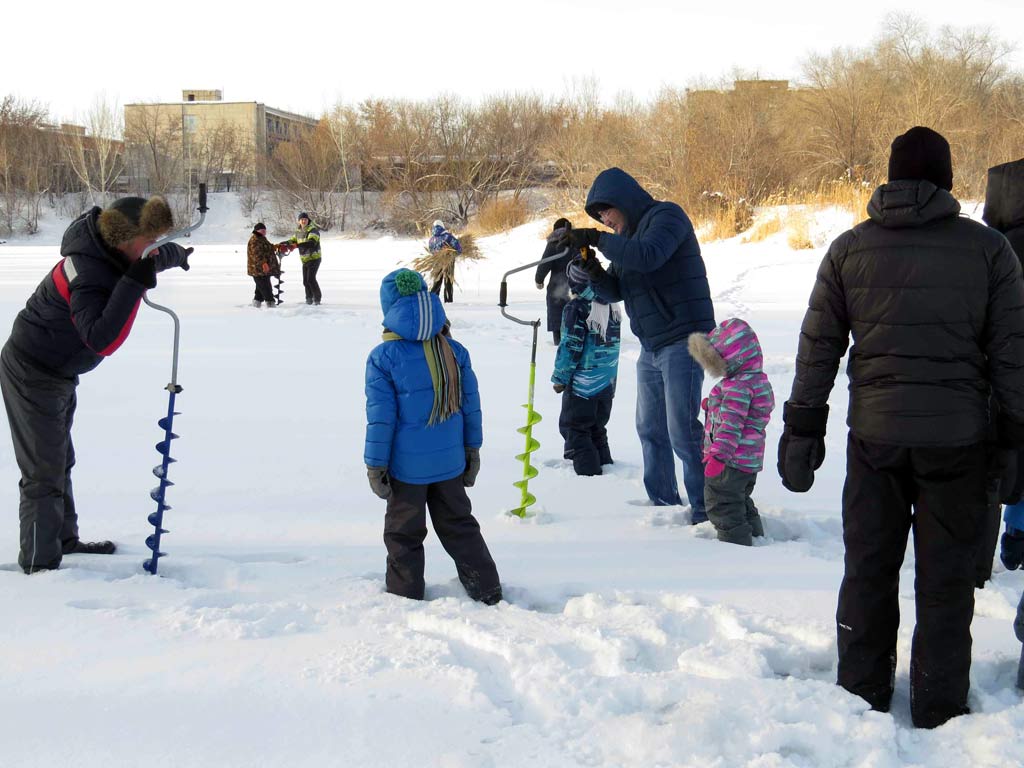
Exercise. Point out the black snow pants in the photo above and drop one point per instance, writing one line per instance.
(40, 409)
(451, 513)
(940, 494)
(730, 508)
(264, 290)
(309, 270)
(583, 423)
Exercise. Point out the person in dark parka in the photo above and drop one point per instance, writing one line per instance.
(554, 272)
(935, 306)
(82, 312)
(658, 272)
(1004, 212)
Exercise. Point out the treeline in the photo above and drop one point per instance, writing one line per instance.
(719, 149)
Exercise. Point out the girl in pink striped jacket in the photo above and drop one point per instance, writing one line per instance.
(736, 414)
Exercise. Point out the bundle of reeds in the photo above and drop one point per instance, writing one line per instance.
(439, 264)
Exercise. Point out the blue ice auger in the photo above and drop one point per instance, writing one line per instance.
(526, 499)
(167, 422)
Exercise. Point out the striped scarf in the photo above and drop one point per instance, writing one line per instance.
(445, 376)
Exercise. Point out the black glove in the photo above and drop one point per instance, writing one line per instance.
(143, 272)
(586, 237)
(802, 446)
(1011, 475)
(594, 267)
(559, 388)
(171, 255)
(380, 483)
(1011, 549)
(560, 237)
(472, 467)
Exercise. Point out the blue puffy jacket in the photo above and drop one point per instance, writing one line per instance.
(657, 269)
(585, 361)
(400, 395)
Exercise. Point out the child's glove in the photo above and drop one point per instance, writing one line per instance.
(1011, 550)
(380, 483)
(559, 388)
(472, 467)
(713, 468)
(540, 286)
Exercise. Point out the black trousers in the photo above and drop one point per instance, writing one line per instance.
(264, 290)
(583, 423)
(940, 494)
(309, 270)
(449, 287)
(451, 513)
(40, 410)
(730, 506)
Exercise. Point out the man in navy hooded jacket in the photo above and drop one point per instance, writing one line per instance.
(657, 270)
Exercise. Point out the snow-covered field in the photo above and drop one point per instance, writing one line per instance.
(627, 638)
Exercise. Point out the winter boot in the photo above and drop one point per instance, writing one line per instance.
(78, 547)
(257, 303)
(605, 455)
(756, 526)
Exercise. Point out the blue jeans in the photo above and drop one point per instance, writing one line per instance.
(668, 389)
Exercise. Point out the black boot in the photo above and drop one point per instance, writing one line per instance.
(77, 547)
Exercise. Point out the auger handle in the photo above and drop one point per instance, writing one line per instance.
(503, 292)
(202, 198)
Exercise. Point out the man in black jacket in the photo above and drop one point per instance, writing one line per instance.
(82, 311)
(935, 306)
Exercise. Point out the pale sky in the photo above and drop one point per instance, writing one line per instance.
(306, 56)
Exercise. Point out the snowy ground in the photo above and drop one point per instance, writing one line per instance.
(628, 637)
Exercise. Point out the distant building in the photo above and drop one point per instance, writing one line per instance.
(204, 138)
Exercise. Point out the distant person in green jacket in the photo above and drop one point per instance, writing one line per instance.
(307, 240)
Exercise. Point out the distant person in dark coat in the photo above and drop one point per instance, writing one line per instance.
(935, 305)
(658, 272)
(262, 262)
(554, 272)
(443, 243)
(81, 313)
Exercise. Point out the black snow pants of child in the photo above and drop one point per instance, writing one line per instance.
(451, 513)
(264, 290)
(309, 270)
(940, 494)
(730, 507)
(40, 409)
(583, 422)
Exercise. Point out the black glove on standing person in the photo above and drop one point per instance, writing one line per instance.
(171, 255)
(802, 445)
(586, 237)
(143, 272)
(380, 483)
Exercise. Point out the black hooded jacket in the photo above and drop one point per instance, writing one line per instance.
(1004, 203)
(83, 309)
(935, 305)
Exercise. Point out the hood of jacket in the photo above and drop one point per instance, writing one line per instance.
(730, 348)
(410, 310)
(617, 188)
(82, 238)
(1004, 196)
(910, 203)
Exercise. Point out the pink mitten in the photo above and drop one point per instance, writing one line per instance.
(713, 468)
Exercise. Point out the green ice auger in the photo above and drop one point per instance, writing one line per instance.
(532, 417)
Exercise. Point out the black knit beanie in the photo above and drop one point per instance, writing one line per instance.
(259, 226)
(921, 153)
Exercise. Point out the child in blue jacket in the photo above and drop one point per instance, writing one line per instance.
(586, 367)
(423, 437)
